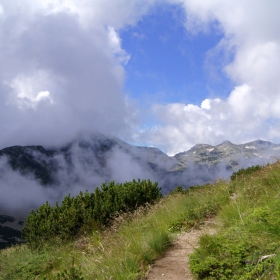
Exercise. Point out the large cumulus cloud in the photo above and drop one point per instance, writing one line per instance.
(250, 55)
(62, 69)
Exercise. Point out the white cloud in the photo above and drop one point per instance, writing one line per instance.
(62, 69)
(90, 13)
(29, 91)
(116, 46)
(251, 111)
(31, 195)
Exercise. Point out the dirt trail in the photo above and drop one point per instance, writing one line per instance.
(174, 265)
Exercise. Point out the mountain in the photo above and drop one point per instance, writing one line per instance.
(230, 155)
(30, 175)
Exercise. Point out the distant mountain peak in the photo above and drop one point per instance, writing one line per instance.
(262, 142)
(226, 143)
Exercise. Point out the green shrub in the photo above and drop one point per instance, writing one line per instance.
(218, 257)
(243, 172)
(87, 210)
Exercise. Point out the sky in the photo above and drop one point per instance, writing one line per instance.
(162, 73)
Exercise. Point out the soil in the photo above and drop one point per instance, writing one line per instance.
(174, 265)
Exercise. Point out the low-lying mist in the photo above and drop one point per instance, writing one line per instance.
(32, 175)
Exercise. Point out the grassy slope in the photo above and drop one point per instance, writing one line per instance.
(247, 212)
(247, 245)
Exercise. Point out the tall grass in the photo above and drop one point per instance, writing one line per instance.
(248, 244)
(126, 249)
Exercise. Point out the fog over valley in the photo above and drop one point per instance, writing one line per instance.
(32, 175)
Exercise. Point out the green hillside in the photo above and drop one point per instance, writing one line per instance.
(246, 246)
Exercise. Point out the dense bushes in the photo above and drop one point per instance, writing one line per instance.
(87, 210)
(247, 171)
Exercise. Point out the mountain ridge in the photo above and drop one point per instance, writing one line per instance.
(96, 151)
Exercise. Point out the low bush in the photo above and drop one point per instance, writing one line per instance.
(87, 211)
(243, 172)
